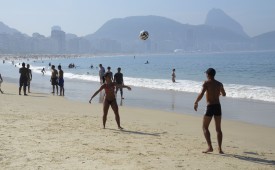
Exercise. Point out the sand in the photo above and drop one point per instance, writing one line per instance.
(42, 131)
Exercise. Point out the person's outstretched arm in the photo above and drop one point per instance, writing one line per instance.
(101, 88)
(124, 86)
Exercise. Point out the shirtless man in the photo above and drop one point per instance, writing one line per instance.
(118, 78)
(30, 78)
(61, 80)
(54, 80)
(24, 77)
(213, 89)
(101, 74)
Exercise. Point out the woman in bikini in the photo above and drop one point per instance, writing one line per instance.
(110, 98)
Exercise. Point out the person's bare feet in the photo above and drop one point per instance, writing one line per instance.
(120, 128)
(208, 150)
(220, 151)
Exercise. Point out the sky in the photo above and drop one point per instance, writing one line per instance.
(83, 17)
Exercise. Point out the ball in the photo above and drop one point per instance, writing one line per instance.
(143, 35)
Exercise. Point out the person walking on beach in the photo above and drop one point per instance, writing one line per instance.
(61, 80)
(29, 78)
(53, 80)
(174, 76)
(43, 71)
(1, 81)
(24, 77)
(118, 78)
(110, 73)
(110, 99)
(213, 89)
(101, 74)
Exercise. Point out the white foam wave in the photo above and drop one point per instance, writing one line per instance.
(232, 90)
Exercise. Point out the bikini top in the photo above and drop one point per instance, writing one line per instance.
(109, 88)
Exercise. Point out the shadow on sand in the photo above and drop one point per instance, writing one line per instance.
(29, 95)
(251, 159)
(137, 132)
(11, 94)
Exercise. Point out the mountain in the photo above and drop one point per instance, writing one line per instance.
(218, 18)
(126, 29)
(6, 29)
(220, 33)
(166, 35)
(265, 41)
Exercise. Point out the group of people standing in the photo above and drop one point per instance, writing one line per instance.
(117, 78)
(111, 84)
(25, 78)
(57, 79)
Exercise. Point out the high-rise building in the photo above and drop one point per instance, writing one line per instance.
(59, 37)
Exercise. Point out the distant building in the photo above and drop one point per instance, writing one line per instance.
(59, 37)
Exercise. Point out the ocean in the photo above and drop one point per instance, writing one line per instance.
(246, 76)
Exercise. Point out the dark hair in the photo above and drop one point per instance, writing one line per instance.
(211, 72)
(107, 75)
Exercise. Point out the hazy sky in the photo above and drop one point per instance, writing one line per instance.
(83, 17)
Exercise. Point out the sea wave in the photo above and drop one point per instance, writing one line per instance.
(251, 92)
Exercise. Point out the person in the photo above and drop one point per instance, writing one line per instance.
(53, 80)
(118, 78)
(61, 80)
(24, 77)
(29, 78)
(109, 99)
(174, 76)
(110, 73)
(101, 74)
(1, 81)
(147, 62)
(213, 89)
(43, 71)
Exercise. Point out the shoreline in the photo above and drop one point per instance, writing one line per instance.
(77, 89)
(42, 131)
(249, 111)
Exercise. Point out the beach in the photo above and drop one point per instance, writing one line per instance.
(42, 131)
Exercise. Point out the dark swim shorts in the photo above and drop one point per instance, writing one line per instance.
(213, 110)
(61, 82)
(23, 81)
(54, 81)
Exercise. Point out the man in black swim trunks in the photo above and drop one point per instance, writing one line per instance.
(118, 78)
(213, 89)
(24, 77)
(54, 79)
